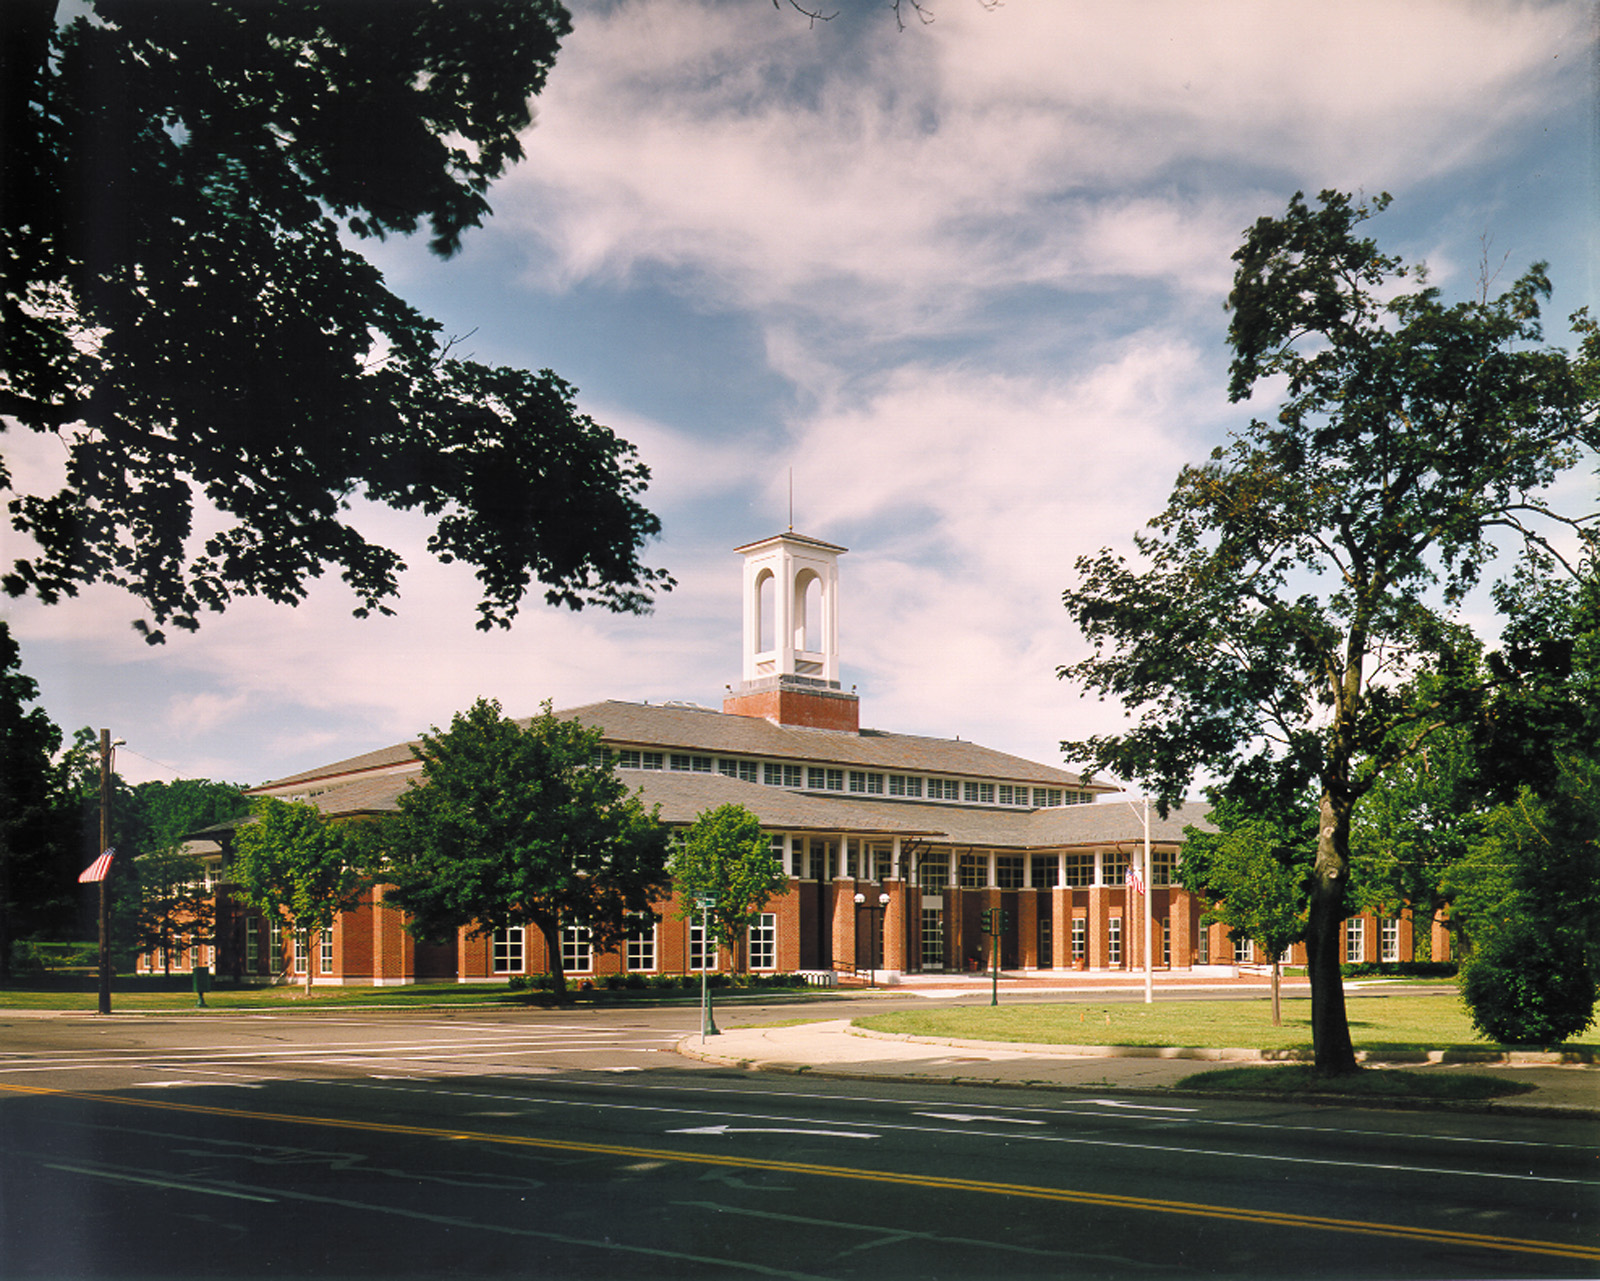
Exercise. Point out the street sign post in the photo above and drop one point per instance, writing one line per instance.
(708, 1026)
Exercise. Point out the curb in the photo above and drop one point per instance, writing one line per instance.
(1481, 1107)
(1510, 1058)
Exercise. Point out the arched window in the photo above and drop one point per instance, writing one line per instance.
(808, 612)
(766, 591)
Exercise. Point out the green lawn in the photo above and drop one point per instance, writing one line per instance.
(1391, 1022)
(128, 994)
(143, 993)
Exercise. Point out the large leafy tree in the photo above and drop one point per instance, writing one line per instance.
(179, 187)
(1527, 900)
(1313, 561)
(1526, 895)
(1412, 829)
(725, 857)
(1251, 871)
(175, 907)
(175, 910)
(516, 825)
(294, 862)
(168, 813)
(28, 793)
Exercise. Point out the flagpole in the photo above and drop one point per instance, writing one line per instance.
(1149, 891)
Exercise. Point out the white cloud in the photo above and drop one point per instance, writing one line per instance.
(986, 258)
(904, 183)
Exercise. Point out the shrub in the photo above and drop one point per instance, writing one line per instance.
(1399, 969)
(635, 981)
(27, 957)
(1524, 986)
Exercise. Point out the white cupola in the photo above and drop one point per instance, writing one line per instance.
(791, 634)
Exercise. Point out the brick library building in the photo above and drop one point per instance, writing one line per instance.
(896, 845)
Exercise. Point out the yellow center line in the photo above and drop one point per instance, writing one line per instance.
(1430, 1236)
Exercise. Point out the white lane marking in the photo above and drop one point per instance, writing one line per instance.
(1065, 1139)
(968, 1116)
(433, 1053)
(1343, 1131)
(741, 1129)
(159, 1183)
(1131, 1104)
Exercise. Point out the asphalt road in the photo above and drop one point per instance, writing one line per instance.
(568, 1144)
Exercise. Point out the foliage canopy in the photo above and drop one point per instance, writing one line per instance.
(724, 856)
(182, 310)
(293, 861)
(517, 825)
(1311, 565)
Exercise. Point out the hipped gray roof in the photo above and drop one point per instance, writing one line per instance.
(698, 729)
(682, 797)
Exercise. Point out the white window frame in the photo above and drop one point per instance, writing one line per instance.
(509, 950)
(763, 952)
(577, 952)
(932, 940)
(639, 952)
(1355, 941)
(698, 959)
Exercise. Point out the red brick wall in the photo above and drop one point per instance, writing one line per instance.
(817, 710)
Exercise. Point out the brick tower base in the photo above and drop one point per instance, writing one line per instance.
(785, 700)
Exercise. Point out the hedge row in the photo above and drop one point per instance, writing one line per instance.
(654, 982)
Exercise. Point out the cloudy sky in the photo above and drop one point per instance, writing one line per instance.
(964, 280)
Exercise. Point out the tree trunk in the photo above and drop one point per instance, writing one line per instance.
(1330, 1028)
(1277, 1006)
(5, 911)
(1421, 935)
(551, 929)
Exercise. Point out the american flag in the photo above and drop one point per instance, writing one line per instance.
(99, 869)
(1135, 881)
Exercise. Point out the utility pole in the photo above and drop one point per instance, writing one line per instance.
(105, 892)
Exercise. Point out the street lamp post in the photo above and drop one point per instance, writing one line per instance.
(872, 933)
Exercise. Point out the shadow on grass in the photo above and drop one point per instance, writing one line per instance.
(1368, 1083)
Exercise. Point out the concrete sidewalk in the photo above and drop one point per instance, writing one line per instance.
(833, 1048)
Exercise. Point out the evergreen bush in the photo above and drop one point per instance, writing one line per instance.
(1524, 986)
